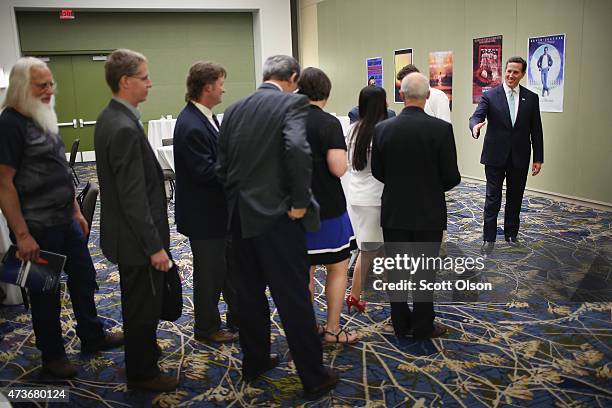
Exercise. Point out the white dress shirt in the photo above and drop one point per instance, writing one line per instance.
(207, 112)
(437, 105)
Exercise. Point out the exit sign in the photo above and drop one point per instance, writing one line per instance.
(67, 14)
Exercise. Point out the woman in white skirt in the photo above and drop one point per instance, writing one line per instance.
(364, 191)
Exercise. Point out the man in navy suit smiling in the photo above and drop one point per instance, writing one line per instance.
(201, 209)
(514, 128)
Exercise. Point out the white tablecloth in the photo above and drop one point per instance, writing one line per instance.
(165, 156)
(13, 293)
(160, 129)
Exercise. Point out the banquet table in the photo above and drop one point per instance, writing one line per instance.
(160, 129)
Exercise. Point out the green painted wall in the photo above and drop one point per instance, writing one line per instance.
(578, 142)
(171, 42)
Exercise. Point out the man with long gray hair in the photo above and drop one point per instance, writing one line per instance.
(265, 167)
(38, 200)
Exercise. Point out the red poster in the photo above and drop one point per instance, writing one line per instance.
(487, 65)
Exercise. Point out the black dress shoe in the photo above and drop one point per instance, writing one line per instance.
(273, 362)
(326, 386)
(487, 247)
(437, 331)
(511, 239)
(59, 368)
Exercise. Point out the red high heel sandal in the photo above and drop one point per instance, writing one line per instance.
(359, 304)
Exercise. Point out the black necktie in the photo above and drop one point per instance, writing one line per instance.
(216, 122)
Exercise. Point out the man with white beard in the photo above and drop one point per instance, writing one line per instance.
(38, 200)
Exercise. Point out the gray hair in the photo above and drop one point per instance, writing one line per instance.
(19, 81)
(280, 67)
(415, 86)
(119, 63)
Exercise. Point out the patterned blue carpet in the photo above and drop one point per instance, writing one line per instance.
(524, 344)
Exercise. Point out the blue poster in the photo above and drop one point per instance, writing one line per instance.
(545, 70)
(374, 71)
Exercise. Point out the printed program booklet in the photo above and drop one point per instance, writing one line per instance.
(40, 276)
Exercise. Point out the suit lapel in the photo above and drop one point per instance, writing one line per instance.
(119, 107)
(503, 102)
(522, 105)
(204, 119)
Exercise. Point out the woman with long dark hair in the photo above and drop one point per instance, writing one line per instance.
(331, 245)
(364, 191)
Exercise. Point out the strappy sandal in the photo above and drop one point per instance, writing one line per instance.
(337, 336)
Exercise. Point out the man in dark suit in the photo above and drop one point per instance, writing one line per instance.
(414, 156)
(265, 166)
(201, 209)
(514, 127)
(134, 220)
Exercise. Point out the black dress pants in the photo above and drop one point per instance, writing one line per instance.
(515, 187)
(420, 319)
(141, 309)
(211, 276)
(278, 259)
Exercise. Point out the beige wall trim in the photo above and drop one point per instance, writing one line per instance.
(555, 196)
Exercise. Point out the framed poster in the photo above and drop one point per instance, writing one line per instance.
(441, 72)
(546, 70)
(401, 58)
(487, 65)
(374, 71)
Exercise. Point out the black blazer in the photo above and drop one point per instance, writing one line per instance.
(414, 156)
(501, 138)
(134, 218)
(200, 208)
(264, 158)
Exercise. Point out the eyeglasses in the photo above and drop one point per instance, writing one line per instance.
(142, 78)
(43, 86)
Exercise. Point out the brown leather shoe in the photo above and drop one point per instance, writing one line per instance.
(221, 336)
(59, 368)
(161, 383)
(109, 341)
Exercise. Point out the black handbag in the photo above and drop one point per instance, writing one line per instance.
(172, 294)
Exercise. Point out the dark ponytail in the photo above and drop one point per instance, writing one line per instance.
(372, 109)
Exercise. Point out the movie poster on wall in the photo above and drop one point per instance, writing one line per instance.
(545, 70)
(374, 67)
(441, 72)
(487, 65)
(401, 58)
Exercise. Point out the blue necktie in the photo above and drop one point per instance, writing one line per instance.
(512, 107)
